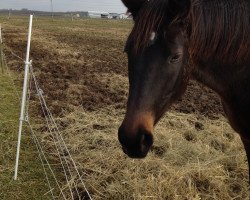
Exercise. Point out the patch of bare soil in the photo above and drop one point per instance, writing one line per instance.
(83, 71)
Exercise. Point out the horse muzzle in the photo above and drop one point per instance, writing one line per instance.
(137, 144)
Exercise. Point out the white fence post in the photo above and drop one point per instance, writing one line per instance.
(1, 50)
(9, 14)
(25, 88)
(1, 39)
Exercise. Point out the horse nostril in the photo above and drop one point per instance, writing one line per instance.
(146, 141)
(135, 144)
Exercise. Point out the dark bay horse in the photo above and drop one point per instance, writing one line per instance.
(175, 40)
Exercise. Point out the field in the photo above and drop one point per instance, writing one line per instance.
(83, 71)
(31, 174)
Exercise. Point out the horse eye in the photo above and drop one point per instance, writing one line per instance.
(174, 59)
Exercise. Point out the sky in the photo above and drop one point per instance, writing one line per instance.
(65, 5)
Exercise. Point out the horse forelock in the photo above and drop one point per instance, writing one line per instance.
(148, 20)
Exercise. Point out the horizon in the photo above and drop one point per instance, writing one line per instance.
(115, 6)
(25, 9)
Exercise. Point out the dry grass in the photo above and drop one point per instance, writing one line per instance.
(83, 73)
(185, 163)
(30, 174)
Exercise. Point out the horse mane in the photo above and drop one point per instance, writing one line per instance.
(218, 29)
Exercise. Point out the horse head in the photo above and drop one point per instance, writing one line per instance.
(157, 65)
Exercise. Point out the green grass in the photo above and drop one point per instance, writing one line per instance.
(185, 162)
(31, 180)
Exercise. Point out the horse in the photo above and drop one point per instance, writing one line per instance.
(173, 41)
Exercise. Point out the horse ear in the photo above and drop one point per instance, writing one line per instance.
(133, 5)
(180, 7)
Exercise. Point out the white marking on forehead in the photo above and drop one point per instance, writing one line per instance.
(152, 37)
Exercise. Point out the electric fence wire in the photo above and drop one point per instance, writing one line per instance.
(39, 149)
(50, 123)
(35, 141)
(56, 140)
(49, 117)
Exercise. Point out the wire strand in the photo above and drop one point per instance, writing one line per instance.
(48, 164)
(60, 134)
(53, 128)
(50, 125)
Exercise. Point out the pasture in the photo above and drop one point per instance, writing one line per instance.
(82, 69)
(31, 175)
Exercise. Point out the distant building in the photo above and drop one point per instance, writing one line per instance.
(84, 14)
(125, 16)
(114, 15)
(105, 16)
(97, 14)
